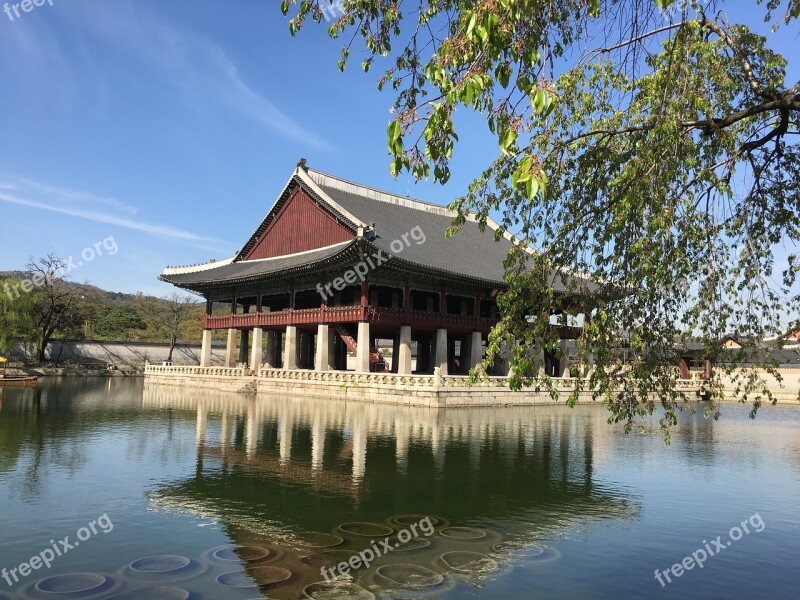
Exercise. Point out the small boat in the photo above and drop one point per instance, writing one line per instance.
(15, 380)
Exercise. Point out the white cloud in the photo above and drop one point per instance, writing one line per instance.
(64, 195)
(101, 217)
(193, 66)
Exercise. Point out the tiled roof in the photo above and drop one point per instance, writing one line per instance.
(418, 227)
(252, 269)
(472, 253)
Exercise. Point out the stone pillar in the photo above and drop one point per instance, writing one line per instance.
(322, 361)
(230, 349)
(502, 363)
(290, 351)
(404, 355)
(244, 348)
(475, 347)
(271, 352)
(205, 351)
(258, 348)
(440, 351)
(539, 363)
(566, 359)
(362, 348)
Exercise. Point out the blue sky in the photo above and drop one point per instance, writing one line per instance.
(173, 126)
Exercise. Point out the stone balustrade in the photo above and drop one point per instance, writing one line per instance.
(201, 371)
(434, 390)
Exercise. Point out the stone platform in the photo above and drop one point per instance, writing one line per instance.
(413, 390)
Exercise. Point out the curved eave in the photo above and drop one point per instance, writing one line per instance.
(343, 256)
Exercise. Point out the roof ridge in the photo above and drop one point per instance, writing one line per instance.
(381, 195)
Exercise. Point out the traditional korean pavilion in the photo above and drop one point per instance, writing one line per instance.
(335, 266)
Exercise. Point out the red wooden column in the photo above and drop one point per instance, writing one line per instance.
(684, 368)
(407, 303)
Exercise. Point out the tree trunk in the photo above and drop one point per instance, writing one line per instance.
(172, 342)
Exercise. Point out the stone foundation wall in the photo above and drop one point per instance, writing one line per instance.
(410, 390)
(120, 354)
(786, 391)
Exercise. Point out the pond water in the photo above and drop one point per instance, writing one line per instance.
(133, 491)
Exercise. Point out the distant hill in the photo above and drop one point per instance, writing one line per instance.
(106, 315)
(111, 299)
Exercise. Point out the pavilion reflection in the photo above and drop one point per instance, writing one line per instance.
(272, 469)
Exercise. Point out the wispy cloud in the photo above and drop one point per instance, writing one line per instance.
(72, 206)
(65, 195)
(194, 66)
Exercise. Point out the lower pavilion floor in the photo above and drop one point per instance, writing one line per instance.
(358, 347)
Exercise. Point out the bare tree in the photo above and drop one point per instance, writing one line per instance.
(54, 299)
(165, 317)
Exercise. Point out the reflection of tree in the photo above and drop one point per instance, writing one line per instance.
(48, 427)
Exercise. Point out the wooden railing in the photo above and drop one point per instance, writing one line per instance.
(393, 317)
(304, 316)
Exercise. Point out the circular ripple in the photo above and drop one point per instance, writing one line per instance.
(412, 544)
(270, 576)
(153, 593)
(318, 539)
(246, 553)
(370, 530)
(469, 562)
(506, 547)
(236, 579)
(410, 576)
(72, 583)
(161, 564)
(408, 520)
(334, 590)
(463, 534)
(537, 553)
